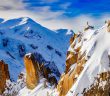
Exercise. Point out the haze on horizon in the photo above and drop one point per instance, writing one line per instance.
(55, 14)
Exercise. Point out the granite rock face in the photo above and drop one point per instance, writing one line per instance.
(32, 76)
(74, 59)
(35, 70)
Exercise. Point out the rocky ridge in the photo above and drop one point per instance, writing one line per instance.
(76, 81)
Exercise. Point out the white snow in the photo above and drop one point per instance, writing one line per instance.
(40, 90)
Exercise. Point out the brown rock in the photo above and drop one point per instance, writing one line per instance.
(34, 70)
(99, 89)
(65, 83)
(108, 26)
(32, 76)
(44, 71)
(68, 79)
(4, 75)
(72, 38)
(71, 59)
(70, 76)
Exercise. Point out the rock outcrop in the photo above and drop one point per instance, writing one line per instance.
(74, 59)
(108, 26)
(88, 64)
(88, 27)
(79, 53)
(35, 70)
(4, 75)
(32, 76)
(101, 87)
(73, 38)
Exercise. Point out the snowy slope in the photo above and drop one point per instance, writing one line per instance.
(23, 35)
(40, 90)
(96, 45)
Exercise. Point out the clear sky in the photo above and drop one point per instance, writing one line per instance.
(58, 13)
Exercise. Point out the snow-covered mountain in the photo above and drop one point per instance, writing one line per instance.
(23, 35)
(94, 55)
(87, 70)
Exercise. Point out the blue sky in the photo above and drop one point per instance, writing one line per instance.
(73, 8)
(58, 13)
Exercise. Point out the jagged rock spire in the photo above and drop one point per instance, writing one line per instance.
(88, 26)
(32, 76)
(35, 69)
(108, 25)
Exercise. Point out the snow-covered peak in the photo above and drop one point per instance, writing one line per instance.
(17, 22)
(25, 20)
(23, 35)
(96, 45)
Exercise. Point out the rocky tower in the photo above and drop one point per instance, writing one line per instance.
(4, 75)
(32, 76)
(35, 70)
(74, 59)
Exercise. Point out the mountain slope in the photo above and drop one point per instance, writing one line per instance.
(94, 79)
(23, 35)
(87, 70)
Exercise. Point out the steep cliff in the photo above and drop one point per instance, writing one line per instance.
(87, 65)
(32, 76)
(36, 71)
(74, 64)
